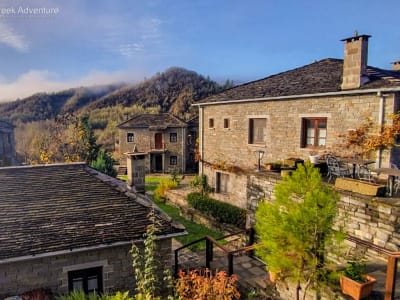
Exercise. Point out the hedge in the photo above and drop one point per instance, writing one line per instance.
(221, 211)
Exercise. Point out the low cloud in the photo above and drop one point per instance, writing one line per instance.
(36, 81)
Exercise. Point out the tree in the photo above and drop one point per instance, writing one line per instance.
(104, 163)
(296, 229)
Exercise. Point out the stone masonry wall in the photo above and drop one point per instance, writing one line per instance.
(283, 132)
(52, 272)
(371, 219)
(145, 141)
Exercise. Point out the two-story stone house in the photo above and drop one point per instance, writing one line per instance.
(7, 145)
(293, 113)
(168, 141)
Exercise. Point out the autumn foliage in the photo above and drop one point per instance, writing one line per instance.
(203, 285)
(370, 137)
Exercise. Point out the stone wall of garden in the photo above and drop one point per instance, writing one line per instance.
(371, 219)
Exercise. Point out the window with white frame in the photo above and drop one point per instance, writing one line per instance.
(173, 160)
(222, 180)
(257, 130)
(173, 137)
(86, 280)
(130, 137)
(314, 132)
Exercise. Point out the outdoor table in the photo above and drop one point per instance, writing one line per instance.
(392, 173)
(356, 162)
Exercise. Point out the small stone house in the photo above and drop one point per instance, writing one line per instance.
(293, 114)
(7, 145)
(67, 227)
(168, 141)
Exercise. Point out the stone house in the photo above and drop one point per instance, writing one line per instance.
(7, 145)
(67, 226)
(293, 114)
(169, 142)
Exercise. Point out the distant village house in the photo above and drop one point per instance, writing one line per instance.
(168, 141)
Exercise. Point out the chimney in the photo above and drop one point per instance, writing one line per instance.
(396, 65)
(136, 170)
(355, 61)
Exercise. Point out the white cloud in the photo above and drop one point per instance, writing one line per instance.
(12, 39)
(35, 81)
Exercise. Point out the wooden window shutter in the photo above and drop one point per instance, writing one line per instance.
(303, 135)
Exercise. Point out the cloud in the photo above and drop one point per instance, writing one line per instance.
(12, 39)
(35, 81)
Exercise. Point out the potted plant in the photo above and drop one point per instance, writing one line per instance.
(273, 166)
(314, 157)
(355, 282)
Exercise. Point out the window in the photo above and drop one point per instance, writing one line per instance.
(130, 137)
(226, 123)
(211, 123)
(257, 130)
(313, 132)
(173, 137)
(87, 280)
(173, 160)
(222, 183)
(191, 137)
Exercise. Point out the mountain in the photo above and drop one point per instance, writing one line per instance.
(172, 91)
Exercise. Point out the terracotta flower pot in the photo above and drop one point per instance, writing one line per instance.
(355, 289)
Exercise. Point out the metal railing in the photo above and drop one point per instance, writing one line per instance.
(209, 251)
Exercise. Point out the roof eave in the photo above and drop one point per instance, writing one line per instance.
(327, 94)
(83, 249)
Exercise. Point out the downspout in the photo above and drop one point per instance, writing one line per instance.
(378, 161)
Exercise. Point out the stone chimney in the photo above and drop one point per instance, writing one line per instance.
(136, 170)
(396, 65)
(355, 61)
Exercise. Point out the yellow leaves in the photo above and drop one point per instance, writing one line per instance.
(371, 137)
(197, 284)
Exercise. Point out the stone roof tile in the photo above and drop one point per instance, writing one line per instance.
(319, 77)
(67, 206)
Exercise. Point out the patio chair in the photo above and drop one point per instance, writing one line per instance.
(364, 173)
(335, 169)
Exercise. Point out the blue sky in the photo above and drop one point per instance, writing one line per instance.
(76, 42)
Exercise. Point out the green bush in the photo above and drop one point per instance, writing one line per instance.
(221, 211)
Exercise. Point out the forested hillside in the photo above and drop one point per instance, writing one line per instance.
(38, 116)
(171, 91)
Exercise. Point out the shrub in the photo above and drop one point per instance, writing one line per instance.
(204, 285)
(221, 211)
(162, 188)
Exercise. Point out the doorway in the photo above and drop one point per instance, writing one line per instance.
(158, 163)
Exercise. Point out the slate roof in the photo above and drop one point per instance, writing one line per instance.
(153, 120)
(65, 207)
(319, 77)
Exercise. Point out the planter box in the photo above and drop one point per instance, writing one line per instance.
(292, 162)
(356, 289)
(360, 187)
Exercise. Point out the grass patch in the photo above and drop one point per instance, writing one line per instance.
(195, 231)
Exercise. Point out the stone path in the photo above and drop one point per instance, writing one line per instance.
(252, 273)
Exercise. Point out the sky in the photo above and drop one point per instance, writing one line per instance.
(47, 45)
